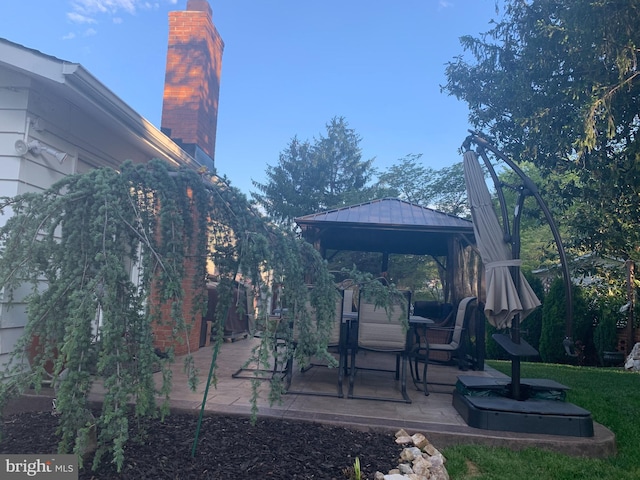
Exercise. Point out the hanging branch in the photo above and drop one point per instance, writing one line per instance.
(74, 245)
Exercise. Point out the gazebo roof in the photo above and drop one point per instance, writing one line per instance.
(385, 225)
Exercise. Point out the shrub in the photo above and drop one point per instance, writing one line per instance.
(604, 334)
(554, 325)
(532, 325)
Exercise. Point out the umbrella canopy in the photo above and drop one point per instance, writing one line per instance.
(503, 300)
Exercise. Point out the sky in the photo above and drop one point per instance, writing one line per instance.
(288, 68)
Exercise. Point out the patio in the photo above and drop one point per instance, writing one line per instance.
(432, 415)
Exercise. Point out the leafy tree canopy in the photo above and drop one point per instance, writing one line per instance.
(556, 82)
(69, 253)
(413, 181)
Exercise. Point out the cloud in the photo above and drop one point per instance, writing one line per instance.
(92, 7)
(86, 11)
(69, 36)
(78, 18)
(442, 4)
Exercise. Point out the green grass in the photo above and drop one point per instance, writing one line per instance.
(613, 398)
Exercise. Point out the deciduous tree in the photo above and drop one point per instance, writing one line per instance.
(556, 82)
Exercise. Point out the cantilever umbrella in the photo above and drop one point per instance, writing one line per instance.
(503, 300)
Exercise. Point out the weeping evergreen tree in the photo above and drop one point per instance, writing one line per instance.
(73, 248)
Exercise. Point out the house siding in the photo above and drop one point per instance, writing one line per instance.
(92, 126)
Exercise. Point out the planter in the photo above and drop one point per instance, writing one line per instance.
(613, 359)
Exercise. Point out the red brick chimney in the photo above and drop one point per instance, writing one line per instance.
(192, 80)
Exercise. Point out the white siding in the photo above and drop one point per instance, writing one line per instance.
(71, 112)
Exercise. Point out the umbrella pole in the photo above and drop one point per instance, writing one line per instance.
(533, 191)
(516, 391)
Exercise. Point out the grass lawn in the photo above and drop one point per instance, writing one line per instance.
(613, 398)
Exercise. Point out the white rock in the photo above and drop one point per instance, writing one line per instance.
(439, 473)
(409, 453)
(419, 440)
(396, 476)
(437, 460)
(430, 449)
(422, 466)
(404, 440)
(415, 476)
(633, 360)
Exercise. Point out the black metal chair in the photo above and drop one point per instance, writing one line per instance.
(451, 340)
(336, 343)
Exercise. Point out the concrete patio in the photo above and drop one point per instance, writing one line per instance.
(432, 415)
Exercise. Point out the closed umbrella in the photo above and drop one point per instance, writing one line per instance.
(503, 300)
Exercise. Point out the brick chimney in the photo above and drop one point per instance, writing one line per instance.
(192, 81)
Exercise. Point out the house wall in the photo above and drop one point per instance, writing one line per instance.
(21, 174)
(90, 137)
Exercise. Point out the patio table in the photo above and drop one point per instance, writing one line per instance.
(419, 351)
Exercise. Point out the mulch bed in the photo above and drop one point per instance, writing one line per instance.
(228, 448)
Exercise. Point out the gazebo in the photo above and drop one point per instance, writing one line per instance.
(391, 225)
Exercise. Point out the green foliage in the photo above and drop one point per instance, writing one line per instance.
(311, 177)
(554, 325)
(75, 244)
(442, 189)
(532, 325)
(102, 252)
(604, 334)
(357, 474)
(556, 83)
(607, 297)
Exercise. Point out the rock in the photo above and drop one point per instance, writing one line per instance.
(422, 467)
(430, 450)
(437, 460)
(633, 360)
(404, 440)
(410, 453)
(419, 440)
(415, 476)
(439, 473)
(422, 461)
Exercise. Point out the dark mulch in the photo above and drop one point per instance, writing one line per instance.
(228, 447)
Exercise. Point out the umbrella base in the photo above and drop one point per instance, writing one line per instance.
(483, 404)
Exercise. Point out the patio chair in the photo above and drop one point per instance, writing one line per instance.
(377, 331)
(451, 340)
(276, 327)
(335, 344)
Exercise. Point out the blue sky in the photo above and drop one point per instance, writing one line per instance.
(288, 67)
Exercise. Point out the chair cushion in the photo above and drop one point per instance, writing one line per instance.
(379, 331)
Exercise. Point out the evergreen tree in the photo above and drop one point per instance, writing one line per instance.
(312, 177)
